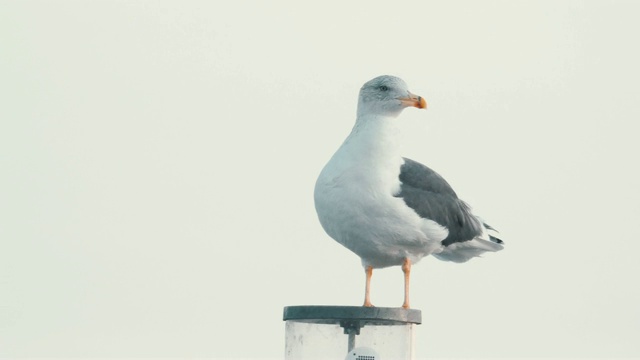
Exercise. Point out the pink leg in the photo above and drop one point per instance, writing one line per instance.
(406, 269)
(367, 299)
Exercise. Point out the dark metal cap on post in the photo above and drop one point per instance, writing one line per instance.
(321, 314)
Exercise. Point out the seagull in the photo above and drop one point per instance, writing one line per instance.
(388, 209)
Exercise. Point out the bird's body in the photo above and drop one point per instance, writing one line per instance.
(367, 218)
(387, 209)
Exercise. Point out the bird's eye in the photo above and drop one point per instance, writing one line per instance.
(383, 88)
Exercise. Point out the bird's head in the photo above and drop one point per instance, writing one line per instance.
(387, 95)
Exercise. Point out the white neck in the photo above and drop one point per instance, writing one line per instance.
(374, 138)
(369, 156)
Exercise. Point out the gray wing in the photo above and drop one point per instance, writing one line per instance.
(429, 195)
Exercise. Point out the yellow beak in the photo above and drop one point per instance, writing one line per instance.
(414, 100)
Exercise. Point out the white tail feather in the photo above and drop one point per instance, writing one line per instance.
(464, 251)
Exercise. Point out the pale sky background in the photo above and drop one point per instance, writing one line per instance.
(157, 164)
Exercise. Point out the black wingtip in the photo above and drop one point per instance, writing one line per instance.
(489, 227)
(495, 240)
